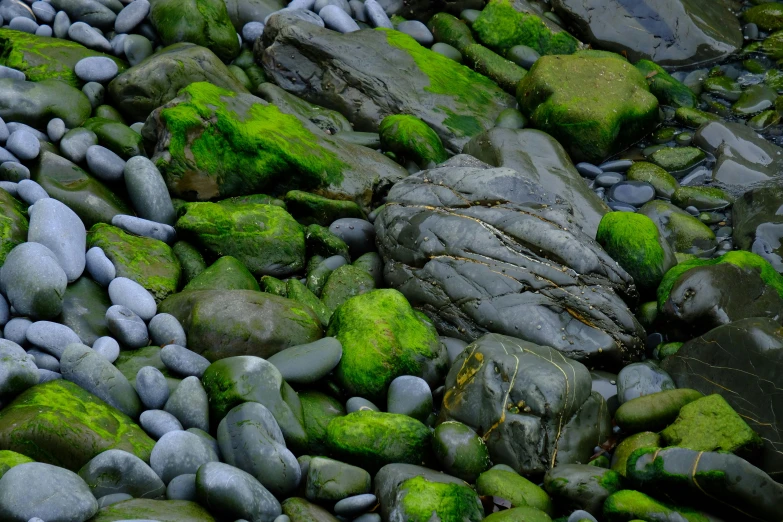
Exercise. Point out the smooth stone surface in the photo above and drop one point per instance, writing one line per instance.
(88, 37)
(131, 15)
(182, 487)
(29, 191)
(23, 145)
(100, 268)
(235, 493)
(166, 329)
(189, 404)
(148, 192)
(145, 227)
(33, 282)
(57, 227)
(103, 163)
(354, 506)
(51, 337)
(18, 370)
(337, 19)
(416, 30)
(252, 31)
(358, 234)
(634, 193)
(15, 330)
(152, 387)
(130, 294)
(179, 453)
(107, 348)
(116, 471)
(409, 395)
(127, 327)
(375, 15)
(182, 361)
(308, 363)
(158, 422)
(44, 361)
(14, 172)
(137, 48)
(99, 69)
(75, 143)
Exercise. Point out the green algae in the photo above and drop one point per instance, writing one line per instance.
(13, 224)
(422, 498)
(409, 137)
(627, 504)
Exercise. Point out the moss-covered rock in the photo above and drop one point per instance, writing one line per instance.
(312, 209)
(202, 22)
(159, 510)
(329, 121)
(594, 104)
(449, 29)
(344, 283)
(643, 439)
(685, 233)
(190, 259)
(409, 138)
(694, 117)
(44, 58)
(35, 103)
(502, 71)
(460, 451)
(628, 504)
(382, 338)
(318, 410)
(301, 510)
(227, 273)
(322, 242)
(419, 498)
(579, 486)
(677, 159)
(634, 241)
(273, 285)
(768, 16)
(149, 262)
(703, 198)
(501, 27)
(264, 238)
(519, 514)
(372, 439)
(663, 182)
(13, 224)
(297, 291)
(513, 487)
(59, 423)
(655, 411)
(664, 87)
(9, 459)
(117, 137)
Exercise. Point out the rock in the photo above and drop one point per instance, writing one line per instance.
(84, 311)
(685, 233)
(120, 139)
(35, 103)
(148, 191)
(107, 348)
(621, 109)
(663, 182)
(104, 164)
(517, 490)
(313, 161)
(13, 224)
(189, 404)
(156, 81)
(18, 370)
(131, 15)
(180, 452)
(51, 337)
(456, 109)
(751, 348)
(308, 363)
(642, 378)
(33, 282)
(677, 159)
(145, 228)
(225, 323)
(655, 411)
(182, 361)
(329, 480)
(318, 411)
(137, 48)
(411, 396)
(9, 459)
(235, 380)
(664, 87)
(329, 121)
(355, 505)
(182, 488)
(96, 69)
(152, 388)
(430, 242)
(644, 439)
(344, 283)
(131, 361)
(129, 293)
(59, 423)
(576, 486)
(36, 489)
(76, 142)
(628, 504)
(24, 145)
(410, 138)
(157, 270)
(233, 493)
(227, 273)
(162, 510)
(157, 423)
(672, 34)
(202, 22)
(127, 327)
(766, 17)
(756, 224)
(116, 471)
(570, 423)
(460, 451)
(166, 329)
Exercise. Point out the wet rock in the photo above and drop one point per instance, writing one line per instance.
(233, 493)
(757, 226)
(117, 471)
(203, 22)
(460, 450)
(576, 486)
(685, 233)
(503, 482)
(33, 282)
(655, 411)
(642, 378)
(172, 510)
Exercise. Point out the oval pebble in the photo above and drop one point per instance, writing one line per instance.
(23, 145)
(130, 294)
(308, 363)
(136, 48)
(178, 453)
(634, 193)
(418, 31)
(43, 11)
(5, 311)
(588, 170)
(145, 227)
(82, 33)
(182, 487)
(44, 30)
(61, 24)
(107, 347)
(127, 327)
(607, 179)
(166, 329)
(32, 281)
(23, 24)
(100, 267)
(99, 69)
(354, 506)
(152, 387)
(411, 396)
(95, 92)
(336, 19)
(16, 330)
(157, 423)
(51, 337)
(55, 129)
(148, 192)
(131, 15)
(182, 361)
(44, 360)
(376, 16)
(75, 142)
(104, 164)
(189, 404)
(252, 31)
(358, 234)
(359, 404)
(57, 227)
(616, 165)
(15, 172)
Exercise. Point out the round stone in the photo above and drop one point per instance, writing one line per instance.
(354, 506)
(61, 25)
(184, 362)
(23, 145)
(409, 395)
(145, 227)
(460, 451)
(607, 179)
(44, 361)
(82, 33)
(104, 164)
(616, 165)
(100, 267)
(148, 192)
(95, 92)
(119, 472)
(21, 23)
(358, 234)
(15, 172)
(166, 329)
(107, 347)
(642, 378)
(308, 363)
(635, 193)
(523, 56)
(182, 488)
(43, 11)
(55, 129)
(18, 370)
(448, 51)
(179, 453)
(136, 48)
(342, 4)
(56, 226)
(189, 404)
(152, 387)
(51, 337)
(35, 489)
(416, 30)
(131, 15)
(127, 327)
(588, 170)
(235, 493)
(16, 330)
(359, 404)
(157, 423)
(101, 69)
(130, 294)
(375, 15)
(252, 31)
(32, 281)
(75, 142)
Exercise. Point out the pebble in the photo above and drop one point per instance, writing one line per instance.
(376, 16)
(16, 330)
(44, 30)
(616, 166)
(131, 15)
(634, 193)
(7, 156)
(128, 328)
(640, 379)
(82, 33)
(418, 31)
(411, 396)
(47, 375)
(358, 234)
(8, 72)
(607, 179)
(51, 337)
(100, 267)
(359, 403)
(148, 192)
(354, 506)
(581, 515)
(14, 172)
(621, 207)
(56, 226)
(32, 280)
(44, 360)
(95, 92)
(448, 51)
(4, 132)
(523, 56)
(75, 142)
(101, 69)
(184, 362)
(368, 517)
(29, 191)
(21, 23)
(10, 187)
(145, 227)
(252, 31)
(23, 145)
(693, 211)
(166, 329)
(5, 311)
(130, 294)
(342, 4)
(152, 387)
(43, 11)
(357, 11)
(55, 129)
(178, 453)
(157, 423)
(337, 19)
(104, 164)
(308, 363)
(117, 472)
(136, 48)
(62, 24)
(189, 404)
(182, 487)
(234, 492)
(107, 347)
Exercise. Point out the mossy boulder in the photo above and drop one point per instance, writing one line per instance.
(35, 103)
(344, 283)
(298, 509)
(579, 486)
(501, 26)
(13, 224)
(9, 459)
(382, 338)
(318, 409)
(214, 143)
(117, 137)
(677, 159)
(329, 121)
(703, 198)
(227, 273)
(685, 233)
(513, 487)
(655, 411)
(322, 242)
(202, 22)
(312, 209)
(159, 510)
(410, 138)
(768, 16)
(664, 183)
(448, 29)
(149, 262)
(627, 505)
(634, 241)
(664, 87)
(594, 104)
(372, 439)
(44, 58)
(264, 238)
(59, 423)
(500, 70)
(227, 323)
(643, 439)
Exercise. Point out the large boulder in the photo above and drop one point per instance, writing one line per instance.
(202, 22)
(532, 405)
(483, 251)
(157, 80)
(672, 33)
(758, 226)
(35, 103)
(595, 104)
(260, 150)
(370, 74)
(539, 157)
(226, 323)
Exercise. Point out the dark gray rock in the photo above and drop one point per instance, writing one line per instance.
(148, 191)
(137, 48)
(182, 488)
(330, 480)
(131, 15)
(642, 378)
(33, 282)
(411, 396)
(116, 471)
(23, 144)
(233, 493)
(90, 12)
(158, 422)
(16, 330)
(18, 370)
(189, 404)
(87, 36)
(101, 69)
(308, 363)
(757, 225)
(107, 348)
(76, 142)
(166, 329)
(179, 453)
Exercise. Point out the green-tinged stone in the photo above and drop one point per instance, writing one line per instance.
(694, 117)
(202, 22)
(300, 510)
(309, 209)
(579, 486)
(685, 233)
(504, 72)
(703, 198)
(601, 461)
(519, 514)
(297, 291)
(84, 309)
(460, 451)
(422, 498)
(723, 87)
(227, 273)
(321, 242)
(131, 361)
(264, 238)
(382, 338)
(409, 138)
(36, 103)
(677, 159)
(764, 120)
(9, 459)
(663, 182)
(668, 90)
(344, 283)
(655, 411)
(666, 349)
(635, 242)
(501, 27)
(710, 424)
(60, 423)
(318, 410)
(754, 99)
(13, 224)
(158, 510)
(241, 77)
(329, 121)
(628, 505)
(450, 30)
(663, 135)
(274, 286)
(44, 58)
(774, 79)
(644, 439)
(117, 137)
(190, 259)
(595, 104)
(107, 112)
(648, 314)
(513, 487)
(768, 16)
(149, 262)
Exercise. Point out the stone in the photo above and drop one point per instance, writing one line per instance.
(344, 283)
(337, 19)
(166, 329)
(663, 86)
(202, 22)
(182, 487)
(569, 423)
(182, 361)
(157, 423)
(655, 411)
(148, 191)
(355, 505)
(514, 488)
(318, 411)
(14, 224)
(131, 15)
(51, 337)
(127, 327)
(621, 109)
(145, 228)
(227, 273)
(104, 164)
(76, 142)
(577, 486)
(329, 121)
(129, 293)
(460, 451)
(410, 138)
(640, 379)
(757, 226)
(162, 510)
(233, 493)
(18, 370)
(23, 145)
(628, 504)
(308, 363)
(84, 310)
(329, 480)
(152, 387)
(685, 233)
(180, 452)
(60, 423)
(664, 183)
(32, 281)
(677, 159)
(96, 69)
(189, 404)
(116, 471)
(644, 439)
(117, 137)
(409, 395)
(44, 100)
(703, 198)
(137, 48)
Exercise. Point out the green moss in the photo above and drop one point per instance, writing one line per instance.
(768, 16)
(694, 117)
(627, 505)
(655, 411)
(519, 514)
(501, 27)
(274, 286)
(666, 349)
(227, 273)
(190, 259)
(664, 87)
(663, 182)
(739, 258)
(202, 22)
(423, 499)
(300, 293)
(504, 72)
(9, 459)
(318, 410)
(513, 487)
(676, 159)
(644, 439)
(321, 242)
(309, 209)
(242, 153)
(703, 198)
(450, 30)
(409, 137)
(13, 224)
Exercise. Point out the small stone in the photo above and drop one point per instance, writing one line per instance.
(127, 327)
(416, 30)
(62, 24)
(56, 226)
(95, 93)
(411, 396)
(136, 48)
(182, 487)
(157, 423)
(131, 15)
(460, 450)
(353, 506)
(43, 11)
(616, 165)
(308, 363)
(119, 472)
(184, 362)
(44, 361)
(107, 347)
(608, 179)
(640, 379)
(18, 370)
(148, 192)
(337, 19)
(166, 329)
(179, 453)
(635, 193)
(87, 36)
(75, 143)
(252, 31)
(33, 282)
(130, 294)
(233, 492)
(450, 52)
(23, 145)
(16, 330)
(21, 23)
(359, 404)
(44, 30)
(145, 227)
(523, 56)
(55, 129)
(189, 404)
(152, 387)
(100, 268)
(35, 489)
(376, 16)
(14, 172)
(51, 337)
(99, 69)
(104, 164)
(358, 234)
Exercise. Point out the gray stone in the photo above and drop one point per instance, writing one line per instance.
(166, 329)
(23, 145)
(152, 387)
(44, 30)
(10, 187)
(118, 43)
(640, 379)
(8, 72)
(189, 404)
(104, 164)
(182, 488)
(358, 234)
(100, 267)
(58, 228)
(337, 19)
(13, 126)
(47, 375)
(6, 156)
(90, 12)
(15, 172)
(207, 438)
(130, 294)
(17, 369)
(87, 36)
(101, 69)
(252, 31)
(20, 23)
(10, 9)
(51, 337)
(62, 24)
(116, 471)
(235, 493)
(75, 143)
(95, 92)
(418, 31)
(342, 4)
(179, 453)
(359, 403)
(131, 16)
(308, 363)
(55, 129)
(376, 16)
(43, 11)
(114, 498)
(15, 330)
(107, 347)
(81, 365)
(29, 191)
(148, 191)
(158, 422)
(35, 489)
(411, 396)
(128, 328)
(32, 281)
(330, 480)
(137, 48)
(4, 132)
(353, 506)
(44, 361)
(183, 362)
(145, 227)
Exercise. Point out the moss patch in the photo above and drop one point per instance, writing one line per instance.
(423, 499)
(409, 137)
(628, 505)
(513, 487)
(664, 87)
(13, 224)
(227, 273)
